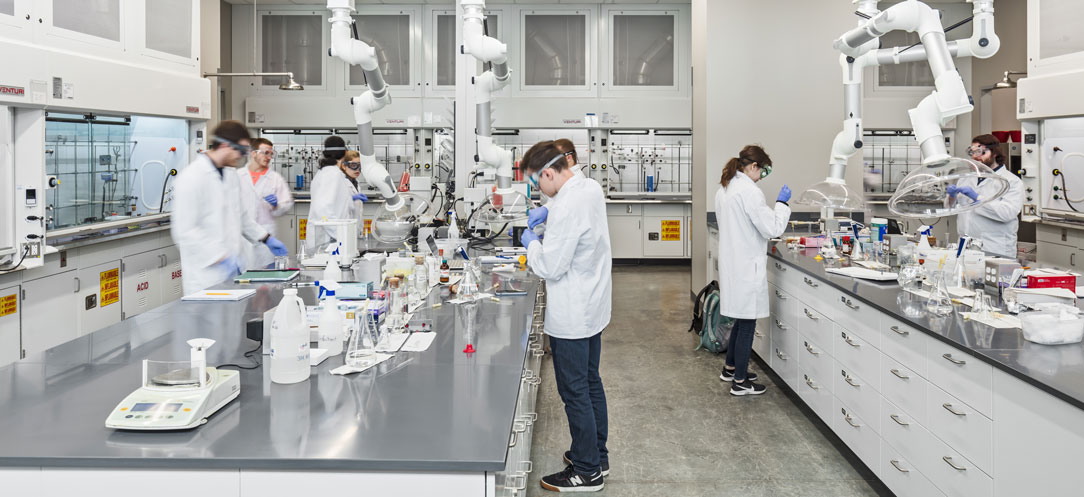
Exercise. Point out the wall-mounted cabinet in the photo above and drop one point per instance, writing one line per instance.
(293, 41)
(393, 34)
(643, 52)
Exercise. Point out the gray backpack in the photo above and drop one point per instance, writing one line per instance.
(713, 329)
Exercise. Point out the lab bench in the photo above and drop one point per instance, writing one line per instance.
(438, 422)
(932, 405)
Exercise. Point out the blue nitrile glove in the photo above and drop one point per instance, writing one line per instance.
(232, 265)
(784, 194)
(537, 217)
(970, 192)
(360, 196)
(272, 199)
(952, 190)
(277, 247)
(527, 237)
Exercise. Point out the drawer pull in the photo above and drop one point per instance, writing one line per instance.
(810, 282)
(810, 315)
(949, 408)
(758, 334)
(949, 358)
(948, 460)
(851, 382)
(899, 331)
(850, 421)
(847, 302)
(810, 383)
(810, 349)
(897, 374)
(849, 341)
(896, 464)
(780, 355)
(780, 296)
(779, 324)
(897, 420)
(780, 267)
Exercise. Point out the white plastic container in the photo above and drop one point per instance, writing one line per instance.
(289, 340)
(331, 325)
(1055, 325)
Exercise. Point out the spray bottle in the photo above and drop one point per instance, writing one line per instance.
(332, 271)
(331, 319)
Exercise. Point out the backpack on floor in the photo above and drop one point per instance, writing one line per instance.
(712, 328)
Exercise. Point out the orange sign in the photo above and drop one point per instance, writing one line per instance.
(9, 304)
(301, 225)
(109, 281)
(368, 227)
(671, 230)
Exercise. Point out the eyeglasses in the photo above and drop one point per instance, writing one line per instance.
(269, 153)
(976, 151)
(354, 166)
(534, 177)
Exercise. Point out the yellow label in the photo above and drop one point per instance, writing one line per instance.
(9, 304)
(301, 225)
(671, 230)
(109, 281)
(368, 227)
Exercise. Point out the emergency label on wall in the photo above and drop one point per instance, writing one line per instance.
(301, 225)
(368, 227)
(110, 287)
(9, 304)
(671, 230)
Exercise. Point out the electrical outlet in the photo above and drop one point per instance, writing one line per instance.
(35, 249)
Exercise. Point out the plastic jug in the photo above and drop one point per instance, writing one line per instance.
(289, 340)
(331, 322)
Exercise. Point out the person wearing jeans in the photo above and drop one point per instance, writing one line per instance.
(746, 223)
(575, 262)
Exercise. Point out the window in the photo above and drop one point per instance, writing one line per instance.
(293, 43)
(389, 35)
(643, 53)
(555, 50)
(7, 7)
(100, 18)
(1059, 28)
(169, 27)
(446, 50)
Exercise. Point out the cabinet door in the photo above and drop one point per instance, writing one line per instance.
(140, 281)
(10, 346)
(170, 275)
(99, 296)
(1063, 256)
(664, 236)
(625, 237)
(49, 314)
(286, 231)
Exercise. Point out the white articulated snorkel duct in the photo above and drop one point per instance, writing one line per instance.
(487, 49)
(356, 52)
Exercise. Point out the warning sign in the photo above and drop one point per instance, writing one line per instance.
(671, 230)
(368, 227)
(301, 225)
(110, 287)
(9, 304)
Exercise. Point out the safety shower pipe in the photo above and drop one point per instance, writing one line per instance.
(359, 53)
(487, 49)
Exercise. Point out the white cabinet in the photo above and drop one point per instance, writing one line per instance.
(10, 346)
(664, 236)
(650, 231)
(98, 291)
(49, 314)
(172, 283)
(286, 231)
(141, 282)
(625, 237)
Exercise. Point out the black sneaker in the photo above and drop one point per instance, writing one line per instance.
(746, 388)
(571, 481)
(729, 375)
(605, 464)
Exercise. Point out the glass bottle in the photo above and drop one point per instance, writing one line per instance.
(395, 304)
(445, 270)
(420, 278)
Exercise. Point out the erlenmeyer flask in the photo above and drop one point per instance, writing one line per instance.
(940, 302)
(361, 350)
(468, 288)
(981, 309)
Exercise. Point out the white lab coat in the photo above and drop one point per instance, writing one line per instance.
(258, 255)
(331, 199)
(746, 223)
(209, 223)
(995, 223)
(575, 261)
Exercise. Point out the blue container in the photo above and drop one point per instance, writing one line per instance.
(650, 183)
(300, 182)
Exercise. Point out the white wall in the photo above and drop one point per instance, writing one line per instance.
(1010, 18)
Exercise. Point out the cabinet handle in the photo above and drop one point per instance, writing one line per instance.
(850, 421)
(810, 349)
(851, 382)
(948, 460)
(810, 315)
(948, 357)
(849, 341)
(758, 334)
(1072, 259)
(810, 282)
(780, 355)
(896, 372)
(780, 325)
(847, 302)
(77, 284)
(780, 267)
(897, 420)
(780, 295)
(810, 383)
(949, 408)
(899, 331)
(896, 464)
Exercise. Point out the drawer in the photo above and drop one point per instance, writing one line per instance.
(784, 353)
(961, 375)
(961, 427)
(856, 432)
(778, 273)
(813, 324)
(783, 305)
(624, 210)
(904, 388)
(856, 392)
(902, 478)
(762, 342)
(857, 355)
(814, 358)
(906, 435)
(904, 344)
(816, 392)
(956, 476)
(857, 317)
(809, 286)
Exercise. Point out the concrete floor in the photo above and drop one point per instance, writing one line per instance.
(674, 428)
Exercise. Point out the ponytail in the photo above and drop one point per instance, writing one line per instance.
(749, 154)
(730, 170)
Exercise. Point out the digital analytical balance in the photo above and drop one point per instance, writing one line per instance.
(176, 395)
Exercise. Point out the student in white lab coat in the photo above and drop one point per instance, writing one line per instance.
(266, 195)
(995, 222)
(569, 149)
(575, 262)
(746, 223)
(335, 195)
(208, 217)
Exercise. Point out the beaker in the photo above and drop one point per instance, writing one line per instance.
(911, 276)
(361, 350)
(940, 302)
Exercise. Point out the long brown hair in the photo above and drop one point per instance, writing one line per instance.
(748, 155)
(993, 145)
(539, 155)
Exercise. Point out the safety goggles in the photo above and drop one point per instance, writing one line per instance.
(353, 165)
(977, 151)
(241, 149)
(268, 153)
(765, 170)
(534, 177)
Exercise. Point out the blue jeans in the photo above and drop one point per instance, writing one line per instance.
(740, 347)
(575, 367)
